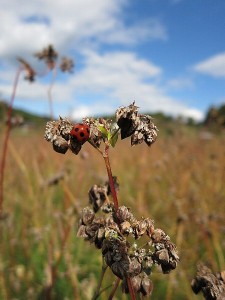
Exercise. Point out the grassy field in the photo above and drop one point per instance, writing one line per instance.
(179, 183)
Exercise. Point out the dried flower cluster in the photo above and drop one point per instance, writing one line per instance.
(212, 286)
(129, 123)
(130, 247)
(117, 234)
(66, 65)
(98, 196)
(49, 55)
(30, 73)
(139, 127)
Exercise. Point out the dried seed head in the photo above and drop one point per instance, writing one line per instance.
(208, 283)
(87, 216)
(60, 128)
(145, 131)
(127, 259)
(82, 232)
(136, 282)
(159, 236)
(30, 73)
(134, 267)
(97, 196)
(140, 228)
(75, 146)
(96, 136)
(125, 228)
(146, 286)
(127, 118)
(147, 264)
(141, 284)
(66, 65)
(60, 145)
(123, 214)
(139, 127)
(49, 55)
(165, 251)
(59, 134)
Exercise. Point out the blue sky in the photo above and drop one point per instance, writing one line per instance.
(167, 55)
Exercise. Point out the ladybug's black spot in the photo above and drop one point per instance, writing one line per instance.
(76, 129)
(81, 134)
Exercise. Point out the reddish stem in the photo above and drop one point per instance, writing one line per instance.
(111, 182)
(131, 290)
(6, 138)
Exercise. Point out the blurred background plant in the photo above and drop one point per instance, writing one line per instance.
(50, 56)
(179, 183)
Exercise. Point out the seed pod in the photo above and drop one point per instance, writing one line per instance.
(146, 286)
(60, 145)
(87, 216)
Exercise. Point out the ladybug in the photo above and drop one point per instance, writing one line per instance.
(80, 132)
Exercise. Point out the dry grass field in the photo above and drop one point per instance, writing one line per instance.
(178, 182)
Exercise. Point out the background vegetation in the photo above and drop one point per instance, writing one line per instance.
(179, 183)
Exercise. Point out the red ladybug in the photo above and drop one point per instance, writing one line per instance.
(80, 133)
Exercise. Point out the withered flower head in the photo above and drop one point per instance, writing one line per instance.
(146, 131)
(211, 285)
(98, 196)
(139, 127)
(59, 134)
(96, 135)
(66, 65)
(125, 258)
(30, 73)
(141, 284)
(127, 120)
(49, 55)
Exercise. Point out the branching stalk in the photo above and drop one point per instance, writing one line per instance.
(97, 292)
(116, 284)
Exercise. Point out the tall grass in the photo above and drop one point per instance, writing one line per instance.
(179, 183)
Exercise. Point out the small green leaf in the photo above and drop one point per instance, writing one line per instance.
(114, 139)
(103, 131)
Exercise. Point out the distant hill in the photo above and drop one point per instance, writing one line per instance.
(214, 119)
(27, 117)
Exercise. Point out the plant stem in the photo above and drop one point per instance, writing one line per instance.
(116, 284)
(97, 292)
(131, 290)
(93, 145)
(116, 204)
(6, 138)
(111, 182)
(54, 73)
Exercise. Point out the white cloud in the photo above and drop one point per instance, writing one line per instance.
(214, 66)
(106, 80)
(116, 79)
(180, 83)
(29, 26)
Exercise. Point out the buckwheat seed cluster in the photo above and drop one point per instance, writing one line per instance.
(130, 247)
